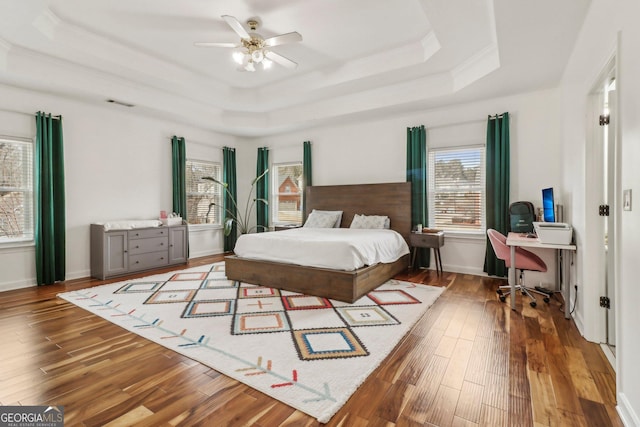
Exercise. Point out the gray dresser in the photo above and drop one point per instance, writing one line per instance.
(118, 252)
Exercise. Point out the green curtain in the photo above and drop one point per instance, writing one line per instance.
(417, 176)
(179, 165)
(262, 190)
(307, 174)
(497, 185)
(229, 178)
(50, 201)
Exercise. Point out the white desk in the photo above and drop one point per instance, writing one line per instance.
(518, 239)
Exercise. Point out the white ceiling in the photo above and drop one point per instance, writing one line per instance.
(358, 58)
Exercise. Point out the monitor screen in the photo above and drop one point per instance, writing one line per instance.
(547, 205)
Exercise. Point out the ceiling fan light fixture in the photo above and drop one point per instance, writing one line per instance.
(250, 66)
(257, 55)
(238, 57)
(266, 63)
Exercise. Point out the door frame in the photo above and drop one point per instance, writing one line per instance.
(594, 179)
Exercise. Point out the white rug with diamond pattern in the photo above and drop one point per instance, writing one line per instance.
(308, 352)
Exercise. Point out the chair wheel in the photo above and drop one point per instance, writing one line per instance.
(503, 298)
(546, 299)
(523, 292)
(532, 304)
(499, 291)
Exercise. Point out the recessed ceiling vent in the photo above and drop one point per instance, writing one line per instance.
(124, 104)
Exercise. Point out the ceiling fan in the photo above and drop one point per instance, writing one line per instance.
(253, 48)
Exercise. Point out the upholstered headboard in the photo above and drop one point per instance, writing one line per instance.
(390, 199)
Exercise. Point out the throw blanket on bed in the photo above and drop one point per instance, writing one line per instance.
(335, 248)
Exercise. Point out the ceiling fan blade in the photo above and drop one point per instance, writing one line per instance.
(279, 59)
(283, 39)
(212, 44)
(236, 26)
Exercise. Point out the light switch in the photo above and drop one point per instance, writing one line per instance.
(626, 200)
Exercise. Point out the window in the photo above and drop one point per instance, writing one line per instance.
(201, 193)
(287, 200)
(16, 190)
(457, 189)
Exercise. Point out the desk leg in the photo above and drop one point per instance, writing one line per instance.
(512, 278)
(566, 286)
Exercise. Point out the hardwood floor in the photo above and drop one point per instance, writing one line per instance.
(469, 361)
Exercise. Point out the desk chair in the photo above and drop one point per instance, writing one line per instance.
(525, 260)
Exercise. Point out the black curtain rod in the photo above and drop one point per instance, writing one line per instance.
(497, 116)
(59, 116)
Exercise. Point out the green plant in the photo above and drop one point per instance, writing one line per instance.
(242, 221)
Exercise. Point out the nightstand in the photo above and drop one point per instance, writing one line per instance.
(433, 240)
(285, 227)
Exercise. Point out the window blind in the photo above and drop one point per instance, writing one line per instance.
(16, 190)
(287, 200)
(457, 188)
(201, 193)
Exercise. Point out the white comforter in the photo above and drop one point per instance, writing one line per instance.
(335, 248)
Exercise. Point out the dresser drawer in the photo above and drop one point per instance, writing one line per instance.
(149, 260)
(145, 233)
(154, 244)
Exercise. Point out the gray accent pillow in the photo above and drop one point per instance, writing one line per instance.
(369, 221)
(320, 220)
(337, 214)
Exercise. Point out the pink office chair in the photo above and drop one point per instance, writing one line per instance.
(525, 260)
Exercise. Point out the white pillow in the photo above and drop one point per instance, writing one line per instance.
(320, 220)
(368, 221)
(337, 214)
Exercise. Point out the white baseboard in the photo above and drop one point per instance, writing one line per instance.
(628, 416)
(215, 251)
(22, 284)
(609, 355)
(463, 269)
(81, 274)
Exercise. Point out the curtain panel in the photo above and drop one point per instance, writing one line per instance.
(497, 187)
(178, 166)
(230, 196)
(417, 176)
(307, 174)
(50, 224)
(262, 190)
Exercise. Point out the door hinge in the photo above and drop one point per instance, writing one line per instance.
(603, 210)
(604, 119)
(605, 302)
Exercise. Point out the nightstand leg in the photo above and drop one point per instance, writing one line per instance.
(413, 258)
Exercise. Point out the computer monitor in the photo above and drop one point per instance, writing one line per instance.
(548, 204)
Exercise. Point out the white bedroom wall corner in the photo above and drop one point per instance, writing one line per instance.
(602, 25)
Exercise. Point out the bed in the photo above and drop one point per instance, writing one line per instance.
(390, 199)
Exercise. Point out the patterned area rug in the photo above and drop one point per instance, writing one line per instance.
(308, 352)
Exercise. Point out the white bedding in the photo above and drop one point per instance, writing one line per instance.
(335, 248)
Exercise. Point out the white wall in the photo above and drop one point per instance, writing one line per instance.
(117, 166)
(374, 151)
(607, 23)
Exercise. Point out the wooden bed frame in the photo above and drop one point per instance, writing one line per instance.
(393, 200)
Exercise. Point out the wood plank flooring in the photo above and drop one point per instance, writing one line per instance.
(470, 361)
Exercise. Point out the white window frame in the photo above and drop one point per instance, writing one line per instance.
(215, 190)
(432, 191)
(274, 201)
(26, 167)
